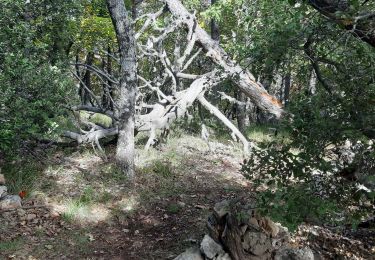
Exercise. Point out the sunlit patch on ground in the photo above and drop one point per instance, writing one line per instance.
(128, 204)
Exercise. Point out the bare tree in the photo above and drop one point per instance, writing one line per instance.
(168, 52)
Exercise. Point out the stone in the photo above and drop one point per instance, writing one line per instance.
(49, 247)
(271, 227)
(10, 202)
(21, 212)
(258, 243)
(210, 248)
(192, 253)
(223, 257)
(283, 235)
(3, 191)
(253, 222)
(30, 216)
(2, 179)
(294, 254)
(181, 204)
(221, 208)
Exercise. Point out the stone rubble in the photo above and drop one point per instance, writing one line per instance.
(250, 237)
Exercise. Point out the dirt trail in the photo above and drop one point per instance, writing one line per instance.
(90, 212)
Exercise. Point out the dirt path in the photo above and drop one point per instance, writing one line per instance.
(90, 212)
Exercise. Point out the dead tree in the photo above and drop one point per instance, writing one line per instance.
(172, 85)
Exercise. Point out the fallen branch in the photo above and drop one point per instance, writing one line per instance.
(244, 80)
(216, 112)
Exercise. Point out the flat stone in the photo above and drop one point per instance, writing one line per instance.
(210, 248)
(10, 202)
(3, 191)
(2, 179)
(192, 253)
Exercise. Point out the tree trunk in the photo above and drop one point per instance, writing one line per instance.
(312, 84)
(86, 80)
(125, 99)
(107, 102)
(215, 32)
(287, 83)
(242, 118)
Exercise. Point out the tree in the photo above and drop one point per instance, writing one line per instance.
(34, 81)
(357, 17)
(168, 90)
(127, 90)
(307, 173)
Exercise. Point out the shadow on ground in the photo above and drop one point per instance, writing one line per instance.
(82, 207)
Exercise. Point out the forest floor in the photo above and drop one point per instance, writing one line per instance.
(81, 207)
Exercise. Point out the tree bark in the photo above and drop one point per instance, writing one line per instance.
(215, 31)
(216, 112)
(107, 98)
(287, 83)
(242, 118)
(125, 99)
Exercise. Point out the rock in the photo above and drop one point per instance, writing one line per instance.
(181, 204)
(258, 243)
(3, 191)
(294, 254)
(30, 216)
(210, 248)
(21, 212)
(253, 222)
(271, 227)
(192, 253)
(283, 235)
(10, 202)
(221, 208)
(2, 179)
(223, 257)
(49, 247)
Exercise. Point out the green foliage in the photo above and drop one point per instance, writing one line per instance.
(112, 172)
(173, 208)
(12, 245)
(95, 29)
(161, 169)
(33, 43)
(21, 175)
(302, 176)
(294, 205)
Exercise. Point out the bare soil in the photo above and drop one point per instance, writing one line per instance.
(81, 208)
